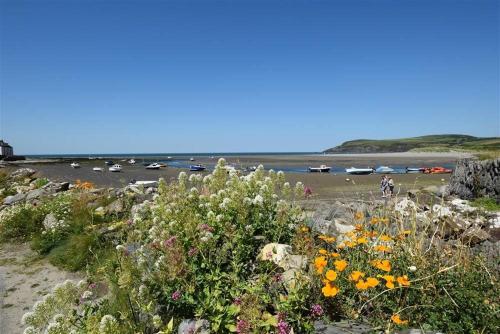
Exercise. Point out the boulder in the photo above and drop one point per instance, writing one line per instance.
(116, 207)
(277, 253)
(190, 326)
(474, 235)
(35, 194)
(341, 227)
(50, 221)
(473, 179)
(9, 200)
(22, 173)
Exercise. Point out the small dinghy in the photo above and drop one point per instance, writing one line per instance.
(131, 161)
(145, 184)
(384, 170)
(191, 159)
(115, 168)
(75, 165)
(109, 163)
(197, 168)
(359, 171)
(98, 169)
(320, 169)
(251, 169)
(154, 165)
(438, 170)
(413, 170)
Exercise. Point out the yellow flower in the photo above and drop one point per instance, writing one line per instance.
(320, 263)
(304, 229)
(359, 216)
(331, 275)
(361, 285)
(384, 265)
(397, 320)
(358, 227)
(384, 220)
(322, 237)
(385, 237)
(330, 290)
(323, 251)
(372, 282)
(362, 240)
(330, 239)
(374, 220)
(382, 248)
(356, 275)
(334, 254)
(350, 243)
(340, 265)
(403, 280)
(389, 281)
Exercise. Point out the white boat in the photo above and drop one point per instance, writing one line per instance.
(191, 159)
(98, 169)
(359, 171)
(75, 165)
(230, 168)
(115, 168)
(131, 161)
(320, 169)
(413, 170)
(384, 169)
(169, 157)
(145, 184)
(154, 165)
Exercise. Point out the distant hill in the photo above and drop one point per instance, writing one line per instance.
(435, 143)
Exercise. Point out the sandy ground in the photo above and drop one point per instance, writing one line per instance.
(24, 279)
(331, 185)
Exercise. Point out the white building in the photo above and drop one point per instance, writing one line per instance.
(5, 149)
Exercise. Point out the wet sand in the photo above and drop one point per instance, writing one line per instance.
(330, 185)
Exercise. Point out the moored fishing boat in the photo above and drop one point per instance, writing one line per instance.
(359, 171)
(115, 168)
(98, 169)
(75, 165)
(154, 165)
(109, 163)
(197, 168)
(384, 170)
(320, 169)
(131, 161)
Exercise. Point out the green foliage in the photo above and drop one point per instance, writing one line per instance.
(486, 203)
(41, 182)
(74, 252)
(20, 222)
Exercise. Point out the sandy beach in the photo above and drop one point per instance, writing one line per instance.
(331, 185)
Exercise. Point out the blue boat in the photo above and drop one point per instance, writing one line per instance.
(197, 168)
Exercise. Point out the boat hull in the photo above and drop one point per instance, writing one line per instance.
(197, 168)
(319, 170)
(359, 171)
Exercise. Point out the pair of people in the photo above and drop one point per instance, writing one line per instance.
(387, 186)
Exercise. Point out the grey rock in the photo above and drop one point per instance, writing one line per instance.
(35, 194)
(194, 326)
(474, 235)
(22, 173)
(9, 200)
(473, 179)
(49, 221)
(116, 207)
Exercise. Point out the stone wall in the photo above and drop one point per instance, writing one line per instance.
(473, 179)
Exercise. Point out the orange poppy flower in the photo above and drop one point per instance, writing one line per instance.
(372, 282)
(397, 320)
(384, 265)
(330, 290)
(403, 280)
(356, 275)
(359, 216)
(382, 248)
(331, 275)
(320, 264)
(389, 281)
(340, 265)
(323, 251)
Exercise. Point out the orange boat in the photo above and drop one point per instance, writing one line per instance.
(438, 170)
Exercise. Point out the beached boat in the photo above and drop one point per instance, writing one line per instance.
(131, 161)
(154, 165)
(384, 170)
(191, 159)
(109, 163)
(251, 169)
(115, 168)
(413, 170)
(162, 164)
(197, 168)
(320, 169)
(75, 165)
(438, 170)
(98, 169)
(145, 184)
(359, 171)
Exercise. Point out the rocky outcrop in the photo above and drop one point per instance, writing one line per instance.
(473, 179)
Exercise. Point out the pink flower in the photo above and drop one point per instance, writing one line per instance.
(192, 251)
(316, 310)
(206, 227)
(170, 241)
(307, 191)
(176, 295)
(242, 326)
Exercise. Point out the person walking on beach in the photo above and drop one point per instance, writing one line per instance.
(390, 184)
(383, 185)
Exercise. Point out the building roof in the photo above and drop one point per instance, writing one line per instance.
(4, 144)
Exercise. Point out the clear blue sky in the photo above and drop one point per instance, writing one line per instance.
(202, 76)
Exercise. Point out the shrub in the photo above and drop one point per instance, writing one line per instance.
(486, 203)
(19, 222)
(41, 182)
(74, 253)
